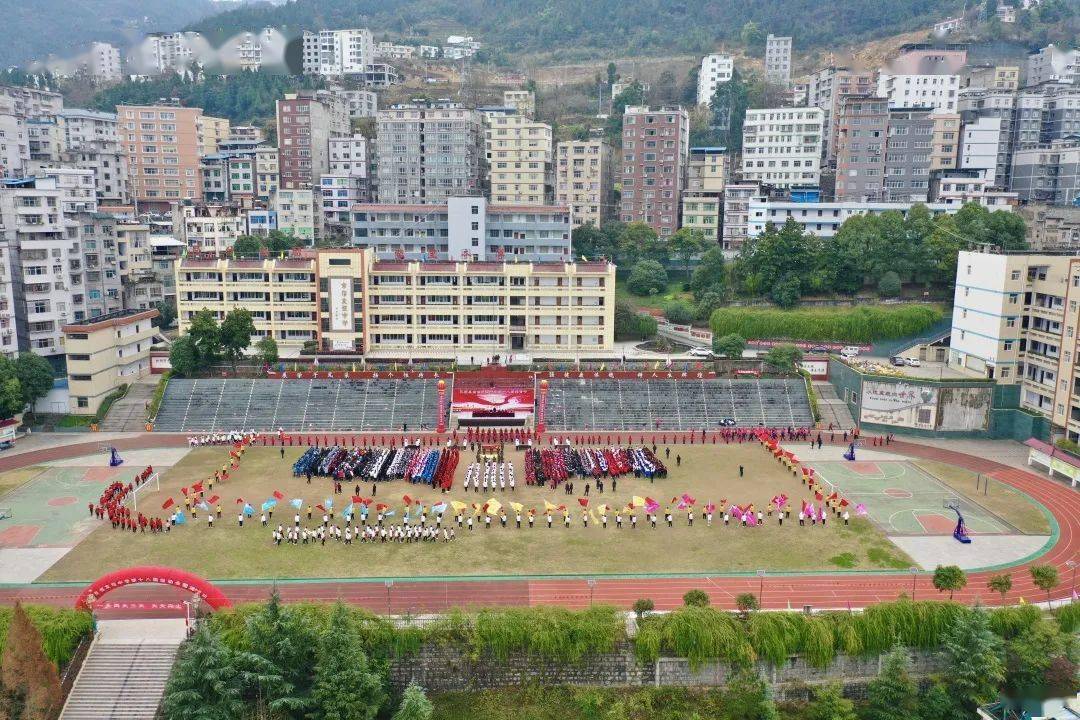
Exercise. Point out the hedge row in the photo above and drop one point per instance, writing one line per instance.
(61, 629)
(849, 325)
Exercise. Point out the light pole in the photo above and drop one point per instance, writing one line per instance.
(592, 588)
(389, 586)
(914, 575)
(761, 589)
(1071, 564)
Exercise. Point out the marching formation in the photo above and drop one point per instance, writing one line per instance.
(410, 462)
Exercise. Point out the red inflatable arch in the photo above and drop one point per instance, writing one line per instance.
(152, 574)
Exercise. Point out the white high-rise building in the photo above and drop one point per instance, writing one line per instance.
(778, 60)
(716, 69)
(338, 52)
(940, 92)
(104, 63)
(1052, 64)
(782, 146)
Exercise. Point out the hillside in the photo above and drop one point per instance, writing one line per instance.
(570, 28)
(35, 28)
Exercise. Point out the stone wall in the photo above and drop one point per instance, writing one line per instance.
(442, 668)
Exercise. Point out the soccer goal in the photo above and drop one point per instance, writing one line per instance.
(154, 480)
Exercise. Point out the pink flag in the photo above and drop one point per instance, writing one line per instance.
(860, 509)
(710, 508)
(750, 519)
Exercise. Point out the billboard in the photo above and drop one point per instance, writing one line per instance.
(341, 304)
(899, 403)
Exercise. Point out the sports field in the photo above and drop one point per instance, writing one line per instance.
(710, 473)
(905, 498)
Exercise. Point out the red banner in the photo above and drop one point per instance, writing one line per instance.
(494, 399)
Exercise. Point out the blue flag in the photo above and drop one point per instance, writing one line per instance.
(296, 502)
(180, 518)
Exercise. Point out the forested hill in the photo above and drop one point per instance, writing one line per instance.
(35, 28)
(597, 26)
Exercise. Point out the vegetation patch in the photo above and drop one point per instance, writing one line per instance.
(862, 324)
(844, 560)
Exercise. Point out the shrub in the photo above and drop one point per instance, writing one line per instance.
(679, 312)
(852, 325)
(889, 285)
(630, 324)
(647, 277)
(159, 394)
(746, 602)
(696, 598)
(699, 634)
(643, 607)
(61, 629)
(107, 402)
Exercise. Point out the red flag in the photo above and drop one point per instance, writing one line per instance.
(818, 496)
(561, 507)
(844, 503)
(583, 502)
(167, 504)
(239, 501)
(381, 506)
(833, 496)
(278, 495)
(407, 500)
(197, 487)
(213, 499)
(321, 508)
(357, 499)
(184, 490)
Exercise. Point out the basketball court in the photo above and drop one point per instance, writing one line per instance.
(903, 499)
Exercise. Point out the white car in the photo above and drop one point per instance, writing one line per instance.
(701, 352)
(912, 362)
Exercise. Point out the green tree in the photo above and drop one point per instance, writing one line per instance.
(205, 332)
(1000, 584)
(710, 275)
(746, 603)
(695, 598)
(1045, 578)
(283, 638)
(937, 704)
(729, 104)
(889, 285)
(679, 312)
(267, 350)
(345, 687)
(11, 392)
(1032, 654)
(893, 695)
(949, 577)
(207, 682)
(746, 697)
(685, 244)
(778, 259)
(247, 246)
(752, 36)
(642, 607)
(730, 346)
(588, 241)
(784, 357)
(35, 376)
(829, 703)
(972, 656)
(647, 277)
(630, 324)
(166, 314)
(414, 705)
(184, 356)
(632, 95)
(236, 332)
(612, 73)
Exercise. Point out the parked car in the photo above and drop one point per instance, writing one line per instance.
(897, 361)
(819, 349)
(728, 422)
(912, 362)
(701, 352)
(850, 351)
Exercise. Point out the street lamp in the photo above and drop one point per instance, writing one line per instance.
(389, 586)
(591, 582)
(914, 575)
(761, 588)
(1071, 564)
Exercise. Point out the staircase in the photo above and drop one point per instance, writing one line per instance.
(128, 414)
(123, 677)
(833, 409)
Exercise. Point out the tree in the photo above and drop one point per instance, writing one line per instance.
(612, 73)
(35, 376)
(746, 697)
(246, 246)
(685, 244)
(937, 704)
(642, 607)
(630, 324)
(1045, 578)
(1031, 655)
(730, 346)
(207, 682)
(752, 36)
(647, 277)
(784, 357)
(973, 666)
(587, 241)
(1000, 584)
(414, 705)
(786, 292)
(166, 314)
(27, 672)
(893, 695)
(889, 285)
(267, 350)
(949, 577)
(283, 638)
(710, 275)
(184, 357)
(345, 687)
(236, 332)
(206, 335)
(830, 704)
(679, 312)
(11, 392)
(695, 598)
(746, 603)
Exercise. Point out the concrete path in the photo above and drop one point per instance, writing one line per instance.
(128, 414)
(984, 551)
(135, 631)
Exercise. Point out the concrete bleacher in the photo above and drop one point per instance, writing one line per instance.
(639, 404)
(206, 405)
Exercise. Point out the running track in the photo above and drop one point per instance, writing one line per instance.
(822, 590)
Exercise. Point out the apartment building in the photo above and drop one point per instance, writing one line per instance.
(523, 102)
(143, 284)
(161, 53)
(337, 52)
(336, 198)
(14, 146)
(778, 60)
(429, 152)
(296, 213)
(956, 186)
(1048, 174)
(519, 154)
(656, 146)
(163, 145)
(214, 132)
(862, 131)
(782, 146)
(1052, 64)
(920, 142)
(362, 103)
(306, 121)
(583, 180)
(940, 92)
(90, 140)
(29, 102)
(716, 69)
(736, 215)
(1051, 228)
(980, 144)
(929, 59)
(1015, 318)
(464, 227)
(348, 301)
(993, 77)
(103, 63)
(821, 218)
(707, 169)
(105, 353)
(45, 141)
(267, 172)
(207, 227)
(349, 156)
(701, 212)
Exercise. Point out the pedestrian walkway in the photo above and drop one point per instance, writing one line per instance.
(128, 414)
(832, 408)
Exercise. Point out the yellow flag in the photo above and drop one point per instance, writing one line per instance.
(516, 506)
(458, 505)
(493, 506)
(638, 501)
(548, 507)
(656, 366)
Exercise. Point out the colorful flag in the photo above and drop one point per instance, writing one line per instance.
(407, 500)
(278, 495)
(638, 501)
(197, 487)
(297, 503)
(248, 509)
(357, 499)
(583, 502)
(516, 506)
(458, 505)
(167, 504)
(439, 508)
(181, 518)
(213, 499)
(239, 501)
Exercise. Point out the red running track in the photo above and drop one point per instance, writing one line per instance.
(820, 590)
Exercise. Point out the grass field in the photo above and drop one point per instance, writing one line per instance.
(12, 479)
(1011, 505)
(674, 291)
(709, 473)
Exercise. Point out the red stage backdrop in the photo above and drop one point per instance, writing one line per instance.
(513, 400)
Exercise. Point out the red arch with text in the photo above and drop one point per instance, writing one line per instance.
(172, 577)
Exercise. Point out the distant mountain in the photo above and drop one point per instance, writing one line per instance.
(35, 28)
(597, 27)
